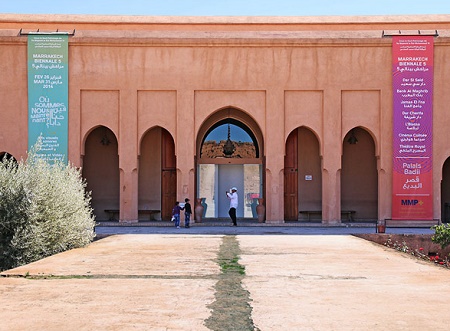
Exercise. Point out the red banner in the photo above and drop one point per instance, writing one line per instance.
(413, 123)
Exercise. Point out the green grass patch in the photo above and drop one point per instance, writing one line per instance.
(231, 309)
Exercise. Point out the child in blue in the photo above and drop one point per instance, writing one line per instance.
(176, 214)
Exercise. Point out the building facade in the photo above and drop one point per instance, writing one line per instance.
(306, 101)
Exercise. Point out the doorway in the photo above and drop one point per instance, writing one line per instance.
(359, 175)
(157, 179)
(229, 155)
(445, 192)
(230, 175)
(101, 170)
(302, 176)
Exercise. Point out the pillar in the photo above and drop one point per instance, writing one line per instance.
(274, 155)
(185, 145)
(128, 156)
(332, 154)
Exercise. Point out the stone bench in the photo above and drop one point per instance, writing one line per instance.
(150, 212)
(348, 213)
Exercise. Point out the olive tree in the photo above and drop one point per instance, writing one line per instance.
(44, 210)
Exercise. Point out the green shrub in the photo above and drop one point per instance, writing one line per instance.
(44, 210)
(441, 235)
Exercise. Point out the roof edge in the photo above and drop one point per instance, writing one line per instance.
(228, 20)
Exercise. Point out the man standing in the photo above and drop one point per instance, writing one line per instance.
(233, 197)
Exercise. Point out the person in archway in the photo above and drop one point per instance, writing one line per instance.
(233, 197)
(187, 213)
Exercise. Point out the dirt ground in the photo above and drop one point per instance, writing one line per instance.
(205, 282)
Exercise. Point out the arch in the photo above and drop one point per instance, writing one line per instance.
(157, 176)
(218, 174)
(246, 146)
(235, 116)
(359, 175)
(101, 170)
(370, 132)
(108, 132)
(141, 138)
(302, 175)
(7, 156)
(319, 140)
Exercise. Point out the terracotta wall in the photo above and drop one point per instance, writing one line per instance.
(13, 99)
(131, 78)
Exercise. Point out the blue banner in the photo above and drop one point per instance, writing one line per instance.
(48, 91)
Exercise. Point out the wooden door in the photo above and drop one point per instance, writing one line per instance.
(291, 178)
(168, 175)
(169, 193)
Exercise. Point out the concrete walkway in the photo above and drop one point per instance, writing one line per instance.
(294, 228)
(169, 281)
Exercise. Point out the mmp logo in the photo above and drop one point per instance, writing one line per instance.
(410, 202)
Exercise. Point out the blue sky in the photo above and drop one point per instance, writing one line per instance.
(227, 7)
(221, 133)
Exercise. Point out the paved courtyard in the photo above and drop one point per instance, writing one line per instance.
(232, 281)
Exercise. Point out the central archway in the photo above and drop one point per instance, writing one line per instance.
(229, 154)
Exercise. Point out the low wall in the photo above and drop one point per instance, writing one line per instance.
(414, 242)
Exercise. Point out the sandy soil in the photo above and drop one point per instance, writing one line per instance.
(171, 282)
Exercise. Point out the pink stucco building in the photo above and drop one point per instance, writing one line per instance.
(146, 94)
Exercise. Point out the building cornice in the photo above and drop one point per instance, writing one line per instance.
(224, 23)
(124, 38)
(226, 20)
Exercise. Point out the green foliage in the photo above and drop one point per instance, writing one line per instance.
(44, 210)
(441, 235)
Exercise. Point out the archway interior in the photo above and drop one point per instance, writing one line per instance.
(157, 177)
(359, 175)
(149, 174)
(302, 176)
(445, 192)
(101, 171)
(218, 171)
(6, 156)
(214, 180)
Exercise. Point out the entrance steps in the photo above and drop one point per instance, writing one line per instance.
(242, 222)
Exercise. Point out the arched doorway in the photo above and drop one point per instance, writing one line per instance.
(157, 179)
(229, 154)
(302, 176)
(359, 176)
(6, 156)
(101, 171)
(445, 192)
